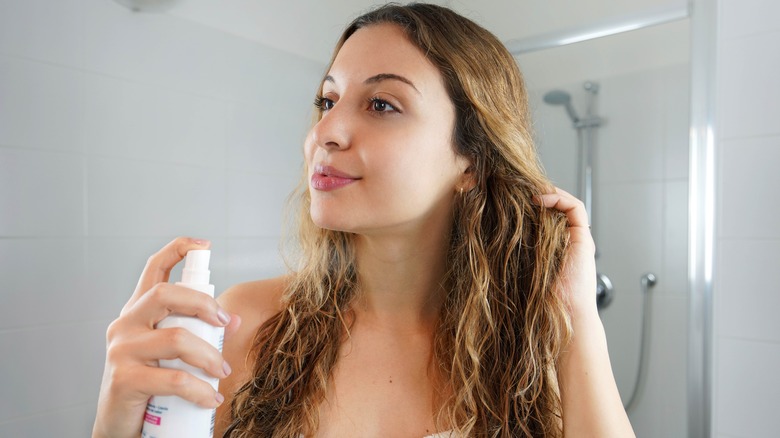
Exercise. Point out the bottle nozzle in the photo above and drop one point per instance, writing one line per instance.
(196, 267)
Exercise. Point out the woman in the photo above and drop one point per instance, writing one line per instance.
(443, 286)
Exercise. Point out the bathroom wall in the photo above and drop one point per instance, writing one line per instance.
(640, 215)
(118, 132)
(746, 292)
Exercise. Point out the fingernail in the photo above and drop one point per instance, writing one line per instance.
(226, 368)
(223, 316)
(200, 242)
(220, 398)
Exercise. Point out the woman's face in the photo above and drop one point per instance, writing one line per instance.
(381, 159)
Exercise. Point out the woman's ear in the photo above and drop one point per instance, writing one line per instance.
(468, 179)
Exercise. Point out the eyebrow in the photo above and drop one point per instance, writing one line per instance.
(381, 77)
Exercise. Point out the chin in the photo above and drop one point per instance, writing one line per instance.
(328, 221)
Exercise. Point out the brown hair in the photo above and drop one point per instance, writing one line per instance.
(503, 323)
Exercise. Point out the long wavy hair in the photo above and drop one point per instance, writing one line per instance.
(503, 323)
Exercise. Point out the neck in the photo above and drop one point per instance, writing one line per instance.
(401, 279)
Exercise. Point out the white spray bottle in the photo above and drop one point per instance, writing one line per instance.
(171, 416)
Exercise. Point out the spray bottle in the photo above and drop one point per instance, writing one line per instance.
(171, 416)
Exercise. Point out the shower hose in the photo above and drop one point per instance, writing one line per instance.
(646, 282)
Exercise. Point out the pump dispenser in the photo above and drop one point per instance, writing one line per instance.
(171, 416)
(196, 270)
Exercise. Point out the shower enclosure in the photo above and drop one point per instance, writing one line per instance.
(612, 124)
(586, 144)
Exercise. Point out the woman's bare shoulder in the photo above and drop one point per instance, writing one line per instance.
(254, 302)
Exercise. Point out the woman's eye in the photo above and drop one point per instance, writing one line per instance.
(323, 103)
(381, 106)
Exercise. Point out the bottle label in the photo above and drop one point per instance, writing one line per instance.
(152, 419)
(154, 413)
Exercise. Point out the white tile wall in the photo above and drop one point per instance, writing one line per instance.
(750, 300)
(673, 276)
(748, 17)
(35, 95)
(181, 55)
(73, 421)
(125, 119)
(677, 97)
(253, 258)
(751, 62)
(153, 49)
(43, 30)
(256, 203)
(146, 198)
(67, 374)
(118, 132)
(47, 277)
(746, 344)
(745, 205)
(748, 381)
(41, 193)
(281, 140)
(631, 143)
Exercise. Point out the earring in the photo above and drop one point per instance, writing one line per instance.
(461, 191)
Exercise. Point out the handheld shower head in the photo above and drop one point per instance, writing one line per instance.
(560, 97)
(557, 97)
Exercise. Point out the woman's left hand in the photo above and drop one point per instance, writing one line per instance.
(578, 280)
(590, 401)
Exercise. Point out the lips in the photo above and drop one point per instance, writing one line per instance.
(327, 178)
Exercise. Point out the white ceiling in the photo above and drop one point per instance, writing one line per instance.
(310, 27)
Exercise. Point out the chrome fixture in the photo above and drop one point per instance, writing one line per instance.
(604, 291)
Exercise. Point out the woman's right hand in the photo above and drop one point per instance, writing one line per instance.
(134, 347)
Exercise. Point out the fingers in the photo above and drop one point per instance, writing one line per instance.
(164, 299)
(576, 215)
(176, 343)
(132, 358)
(568, 204)
(232, 327)
(158, 266)
(148, 381)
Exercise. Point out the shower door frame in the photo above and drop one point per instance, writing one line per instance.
(702, 15)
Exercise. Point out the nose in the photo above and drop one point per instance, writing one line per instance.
(333, 130)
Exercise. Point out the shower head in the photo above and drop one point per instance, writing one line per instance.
(557, 97)
(560, 97)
